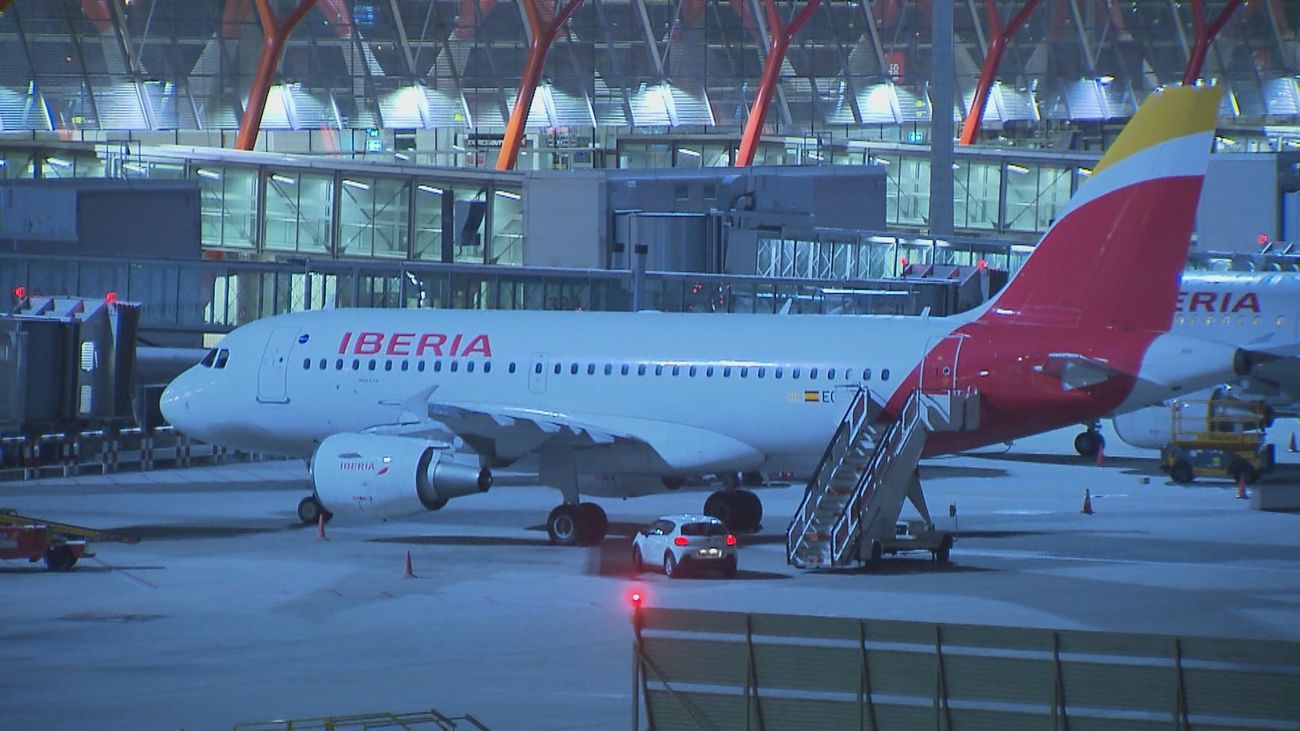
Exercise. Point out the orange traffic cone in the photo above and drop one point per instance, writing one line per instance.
(408, 572)
(1087, 502)
(1241, 487)
(320, 528)
(1100, 451)
(1291, 447)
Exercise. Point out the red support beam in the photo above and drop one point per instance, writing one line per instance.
(1204, 37)
(970, 129)
(781, 38)
(274, 34)
(543, 35)
(4, 5)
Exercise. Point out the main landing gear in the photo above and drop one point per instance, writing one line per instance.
(1089, 443)
(580, 524)
(741, 510)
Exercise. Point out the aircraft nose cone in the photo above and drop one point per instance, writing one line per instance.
(174, 404)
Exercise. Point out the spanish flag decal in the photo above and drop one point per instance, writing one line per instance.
(812, 396)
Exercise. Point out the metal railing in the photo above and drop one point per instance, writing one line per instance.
(849, 432)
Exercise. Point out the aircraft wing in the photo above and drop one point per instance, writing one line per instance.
(512, 432)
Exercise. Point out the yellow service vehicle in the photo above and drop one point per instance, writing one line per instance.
(1218, 438)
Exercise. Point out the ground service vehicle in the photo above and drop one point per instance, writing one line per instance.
(60, 544)
(1218, 438)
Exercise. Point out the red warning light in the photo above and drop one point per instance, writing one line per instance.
(981, 264)
(902, 260)
(111, 297)
(731, 540)
(20, 292)
(1262, 239)
(636, 598)
(681, 541)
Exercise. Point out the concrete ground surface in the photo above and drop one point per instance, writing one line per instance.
(230, 610)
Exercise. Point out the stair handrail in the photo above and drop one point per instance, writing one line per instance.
(856, 418)
(846, 525)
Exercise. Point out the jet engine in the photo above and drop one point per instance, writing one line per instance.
(1153, 427)
(384, 476)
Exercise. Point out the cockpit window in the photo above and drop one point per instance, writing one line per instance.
(208, 358)
(223, 355)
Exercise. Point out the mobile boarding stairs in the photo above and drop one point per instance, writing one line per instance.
(851, 506)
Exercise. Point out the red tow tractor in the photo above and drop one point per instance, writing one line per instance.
(60, 544)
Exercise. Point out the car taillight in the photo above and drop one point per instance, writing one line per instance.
(681, 541)
(731, 540)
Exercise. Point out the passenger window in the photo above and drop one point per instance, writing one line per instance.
(726, 371)
(830, 374)
(812, 374)
(356, 364)
(557, 369)
(779, 372)
(659, 370)
(338, 364)
(469, 367)
(609, 369)
(573, 369)
(795, 374)
(455, 366)
(388, 365)
(884, 374)
(370, 365)
(306, 363)
(624, 370)
(511, 369)
(677, 370)
(420, 366)
(640, 370)
(323, 364)
(762, 371)
(591, 369)
(691, 371)
(866, 374)
(744, 371)
(437, 366)
(406, 365)
(708, 372)
(487, 366)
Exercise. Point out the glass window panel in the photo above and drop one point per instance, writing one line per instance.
(299, 212)
(507, 228)
(428, 220)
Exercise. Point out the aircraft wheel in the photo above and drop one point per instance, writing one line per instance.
(596, 523)
(1088, 443)
(310, 510)
(751, 510)
(1181, 472)
(1243, 469)
(60, 558)
(724, 506)
(565, 525)
(941, 554)
(877, 553)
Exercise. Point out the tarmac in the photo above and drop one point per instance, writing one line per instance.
(230, 610)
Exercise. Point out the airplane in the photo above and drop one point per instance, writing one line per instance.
(1258, 312)
(400, 411)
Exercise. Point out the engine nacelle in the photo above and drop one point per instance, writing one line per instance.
(1153, 427)
(382, 476)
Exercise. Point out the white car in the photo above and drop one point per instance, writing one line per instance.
(682, 542)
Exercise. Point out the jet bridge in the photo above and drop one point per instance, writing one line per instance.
(851, 506)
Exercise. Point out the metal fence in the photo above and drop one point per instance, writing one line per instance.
(719, 670)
